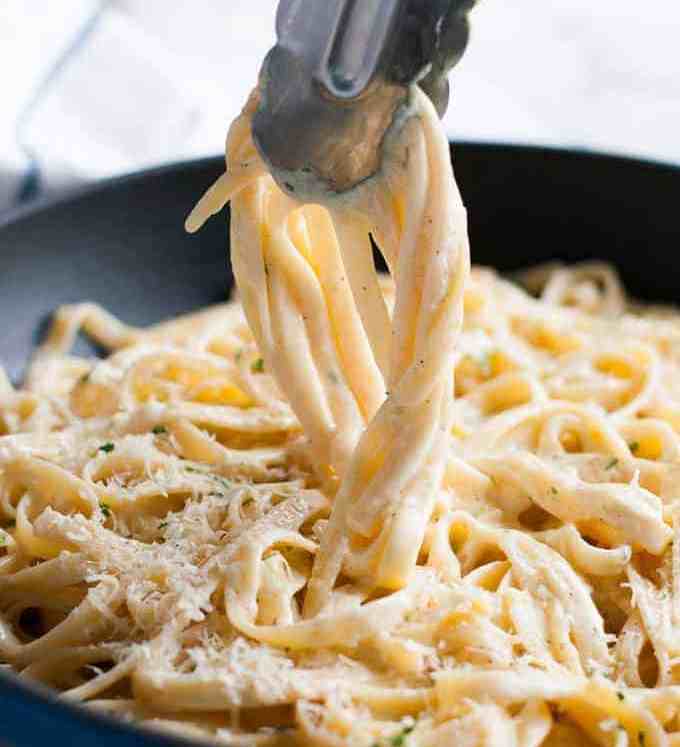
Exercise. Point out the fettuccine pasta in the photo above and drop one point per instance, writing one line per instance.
(434, 507)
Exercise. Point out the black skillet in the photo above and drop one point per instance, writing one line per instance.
(121, 243)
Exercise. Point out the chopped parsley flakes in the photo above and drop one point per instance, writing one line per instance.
(400, 739)
(106, 509)
(107, 448)
(257, 366)
(159, 430)
(612, 463)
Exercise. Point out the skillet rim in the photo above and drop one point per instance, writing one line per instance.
(47, 202)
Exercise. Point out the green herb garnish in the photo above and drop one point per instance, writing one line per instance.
(163, 524)
(634, 447)
(620, 696)
(159, 430)
(257, 366)
(553, 490)
(400, 739)
(107, 448)
(612, 463)
(222, 481)
(106, 509)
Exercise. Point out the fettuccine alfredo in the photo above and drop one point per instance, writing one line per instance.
(430, 508)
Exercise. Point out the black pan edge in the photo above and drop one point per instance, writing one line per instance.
(548, 151)
(34, 715)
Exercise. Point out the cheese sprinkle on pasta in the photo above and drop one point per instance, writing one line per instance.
(430, 508)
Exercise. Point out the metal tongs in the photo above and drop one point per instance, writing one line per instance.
(330, 88)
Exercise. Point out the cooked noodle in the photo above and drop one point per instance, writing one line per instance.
(347, 509)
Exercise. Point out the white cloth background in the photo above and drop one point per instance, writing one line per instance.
(93, 88)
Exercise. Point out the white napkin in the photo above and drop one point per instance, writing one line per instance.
(102, 88)
(94, 88)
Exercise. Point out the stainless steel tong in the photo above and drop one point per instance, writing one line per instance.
(330, 87)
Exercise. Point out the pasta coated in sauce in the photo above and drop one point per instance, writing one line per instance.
(421, 510)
